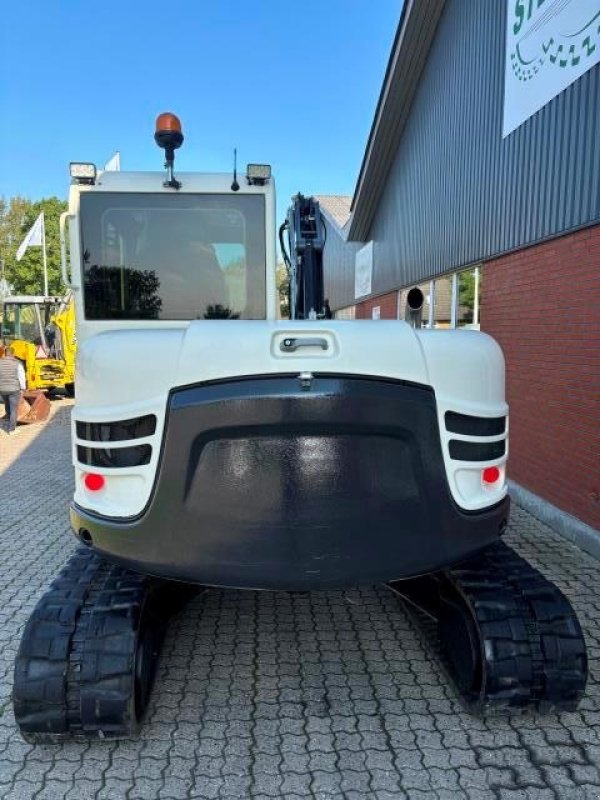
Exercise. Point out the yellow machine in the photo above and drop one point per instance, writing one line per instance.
(41, 332)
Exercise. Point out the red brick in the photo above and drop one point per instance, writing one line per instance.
(542, 305)
(388, 306)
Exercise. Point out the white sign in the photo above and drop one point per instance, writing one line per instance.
(376, 312)
(363, 271)
(549, 44)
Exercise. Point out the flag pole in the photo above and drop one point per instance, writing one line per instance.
(44, 251)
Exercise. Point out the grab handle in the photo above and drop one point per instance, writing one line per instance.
(291, 343)
(63, 249)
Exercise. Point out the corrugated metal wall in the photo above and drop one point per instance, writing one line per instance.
(458, 192)
(338, 268)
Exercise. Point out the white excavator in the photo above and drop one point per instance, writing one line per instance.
(215, 445)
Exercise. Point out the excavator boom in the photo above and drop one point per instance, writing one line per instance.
(304, 259)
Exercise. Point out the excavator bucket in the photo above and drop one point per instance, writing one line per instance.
(34, 407)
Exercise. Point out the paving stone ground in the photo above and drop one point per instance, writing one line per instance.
(259, 695)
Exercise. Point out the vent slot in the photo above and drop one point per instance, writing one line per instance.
(474, 426)
(116, 431)
(116, 457)
(476, 451)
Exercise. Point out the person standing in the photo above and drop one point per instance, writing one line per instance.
(12, 383)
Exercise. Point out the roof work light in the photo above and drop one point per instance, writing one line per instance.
(258, 174)
(82, 172)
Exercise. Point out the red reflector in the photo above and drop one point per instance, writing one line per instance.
(490, 475)
(94, 482)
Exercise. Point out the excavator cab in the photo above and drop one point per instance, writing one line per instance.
(26, 319)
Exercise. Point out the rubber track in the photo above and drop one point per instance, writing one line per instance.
(531, 647)
(74, 669)
(558, 650)
(40, 679)
(100, 689)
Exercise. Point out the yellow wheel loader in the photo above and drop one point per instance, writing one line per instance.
(41, 333)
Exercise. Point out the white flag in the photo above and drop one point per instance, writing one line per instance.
(33, 238)
(114, 163)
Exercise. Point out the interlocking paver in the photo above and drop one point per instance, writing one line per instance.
(327, 695)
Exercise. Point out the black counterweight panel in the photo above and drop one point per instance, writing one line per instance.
(264, 484)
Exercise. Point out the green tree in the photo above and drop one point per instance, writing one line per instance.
(16, 217)
(13, 215)
(466, 289)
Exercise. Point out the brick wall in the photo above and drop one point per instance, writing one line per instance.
(388, 305)
(542, 304)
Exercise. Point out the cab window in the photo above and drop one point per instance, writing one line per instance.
(166, 257)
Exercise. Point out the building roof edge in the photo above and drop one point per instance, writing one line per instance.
(414, 36)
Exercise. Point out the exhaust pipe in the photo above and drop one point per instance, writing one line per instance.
(413, 312)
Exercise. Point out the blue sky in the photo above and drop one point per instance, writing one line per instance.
(290, 84)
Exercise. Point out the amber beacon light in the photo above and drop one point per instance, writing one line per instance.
(168, 135)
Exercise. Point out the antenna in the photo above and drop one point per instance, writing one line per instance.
(235, 187)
